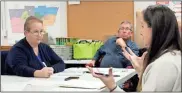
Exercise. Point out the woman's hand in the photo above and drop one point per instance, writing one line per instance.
(107, 80)
(137, 62)
(45, 72)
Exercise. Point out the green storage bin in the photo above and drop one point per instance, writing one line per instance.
(85, 49)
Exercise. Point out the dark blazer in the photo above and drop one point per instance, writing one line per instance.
(22, 61)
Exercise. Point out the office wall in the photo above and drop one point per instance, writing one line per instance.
(140, 5)
(97, 20)
(94, 20)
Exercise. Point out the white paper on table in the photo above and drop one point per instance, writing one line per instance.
(70, 72)
(61, 74)
(46, 82)
(83, 84)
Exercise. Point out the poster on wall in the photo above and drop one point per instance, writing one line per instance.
(53, 14)
(174, 5)
(162, 3)
(18, 16)
(141, 5)
(177, 9)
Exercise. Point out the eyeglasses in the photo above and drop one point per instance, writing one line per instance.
(36, 33)
(127, 29)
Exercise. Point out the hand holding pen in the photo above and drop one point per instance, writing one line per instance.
(45, 72)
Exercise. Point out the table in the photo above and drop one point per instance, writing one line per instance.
(17, 83)
(76, 61)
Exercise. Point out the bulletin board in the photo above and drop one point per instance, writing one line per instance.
(97, 20)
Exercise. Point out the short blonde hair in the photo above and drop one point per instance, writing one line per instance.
(29, 21)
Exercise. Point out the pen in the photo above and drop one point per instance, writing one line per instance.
(44, 64)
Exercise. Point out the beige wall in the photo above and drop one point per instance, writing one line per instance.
(138, 38)
(98, 20)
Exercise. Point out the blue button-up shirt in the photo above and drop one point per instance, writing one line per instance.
(112, 54)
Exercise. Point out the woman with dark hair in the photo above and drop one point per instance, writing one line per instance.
(159, 69)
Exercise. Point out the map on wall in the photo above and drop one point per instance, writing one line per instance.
(52, 13)
(18, 16)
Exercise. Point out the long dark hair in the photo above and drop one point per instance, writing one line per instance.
(165, 32)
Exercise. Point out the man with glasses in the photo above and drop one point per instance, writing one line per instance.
(110, 54)
(30, 57)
